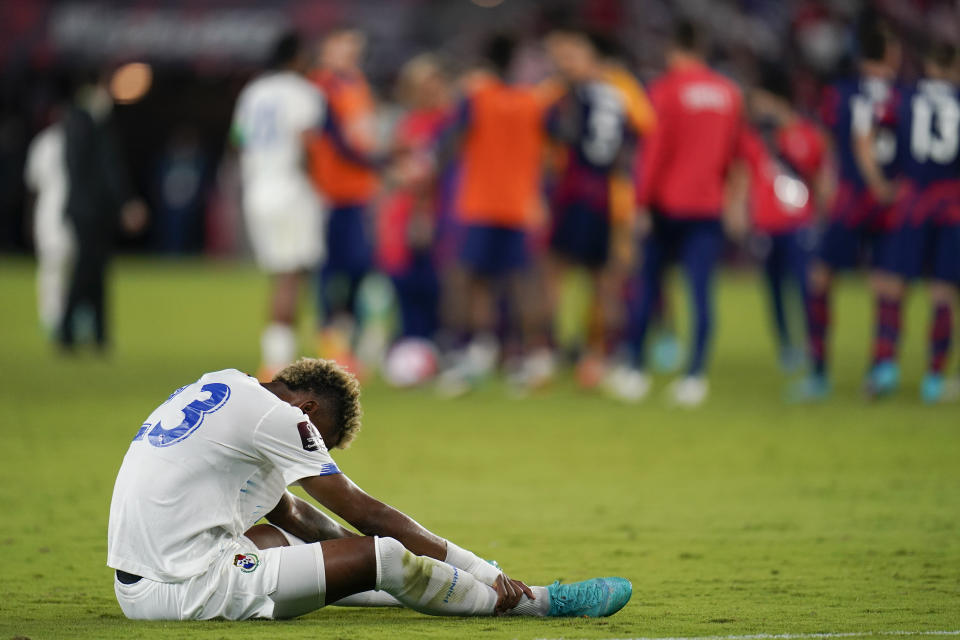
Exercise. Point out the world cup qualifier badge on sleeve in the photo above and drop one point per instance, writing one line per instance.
(309, 437)
(246, 562)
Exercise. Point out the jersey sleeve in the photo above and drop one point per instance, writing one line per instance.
(311, 109)
(286, 438)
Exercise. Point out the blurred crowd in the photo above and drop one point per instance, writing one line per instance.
(520, 212)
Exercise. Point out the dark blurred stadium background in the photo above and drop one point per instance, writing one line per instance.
(201, 53)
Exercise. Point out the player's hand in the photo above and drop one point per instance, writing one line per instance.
(509, 593)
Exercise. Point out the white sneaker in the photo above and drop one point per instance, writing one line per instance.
(690, 391)
(481, 356)
(536, 371)
(627, 384)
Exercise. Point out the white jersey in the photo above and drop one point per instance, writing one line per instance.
(272, 114)
(46, 175)
(205, 466)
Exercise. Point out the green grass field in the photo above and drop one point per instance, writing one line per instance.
(748, 516)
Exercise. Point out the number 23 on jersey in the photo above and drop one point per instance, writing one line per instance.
(189, 405)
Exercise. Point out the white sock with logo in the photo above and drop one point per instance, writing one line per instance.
(429, 586)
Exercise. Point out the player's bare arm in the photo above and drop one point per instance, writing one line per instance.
(300, 518)
(375, 518)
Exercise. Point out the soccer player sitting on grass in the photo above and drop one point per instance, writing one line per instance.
(219, 454)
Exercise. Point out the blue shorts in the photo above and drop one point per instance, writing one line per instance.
(841, 245)
(348, 246)
(929, 249)
(582, 235)
(493, 251)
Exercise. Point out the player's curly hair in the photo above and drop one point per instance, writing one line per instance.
(329, 381)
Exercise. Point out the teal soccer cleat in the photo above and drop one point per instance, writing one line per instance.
(883, 379)
(811, 389)
(933, 388)
(596, 598)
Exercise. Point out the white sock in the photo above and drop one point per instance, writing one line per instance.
(428, 585)
(363, 599)
(368, 599)
(437, 588)
(278, 346)
(537, 608)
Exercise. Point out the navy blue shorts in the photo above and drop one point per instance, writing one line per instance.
(348, 246)
(841, 245)
(931, 250)
(493, 251)
(581, 235)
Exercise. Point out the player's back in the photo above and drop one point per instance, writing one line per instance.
(203, 468)
(338, 178)
(502, 154)
(854, 106)
(273, 112)
(591, 120)
(928, 132)
(694, 143)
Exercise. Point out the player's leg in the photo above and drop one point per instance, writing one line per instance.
(527, 289)
(774, 266)
(837, 249)
(312, 575)
(630, 382)
(278, 342)
(700, 251)
(479, 258)
(888, 287)
(269, 536)
(943, 298)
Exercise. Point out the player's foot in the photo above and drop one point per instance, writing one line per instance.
(590, 371)
(931, 389)
(627, 384)
(791, 359)
(883, 379)
(665, 352)
(690, 391)
(535, 372)
(813, 388)
(454, 382)
(596, 598)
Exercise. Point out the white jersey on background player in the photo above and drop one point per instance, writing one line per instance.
(46, 176)
(205, 467)
(283, 211)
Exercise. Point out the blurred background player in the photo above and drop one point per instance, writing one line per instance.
(789, 180)
(683, 177)
(100, 200)
(859, 113)
(46, 177)
(591, 122)
(928, 136)
(408, 216)
(274, 115)
(348, 187)
(499, 131)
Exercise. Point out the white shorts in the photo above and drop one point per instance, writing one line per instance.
(245, 582)
(286, 227)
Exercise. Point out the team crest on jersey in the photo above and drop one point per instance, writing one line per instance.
(247, 562)
(310, 437)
